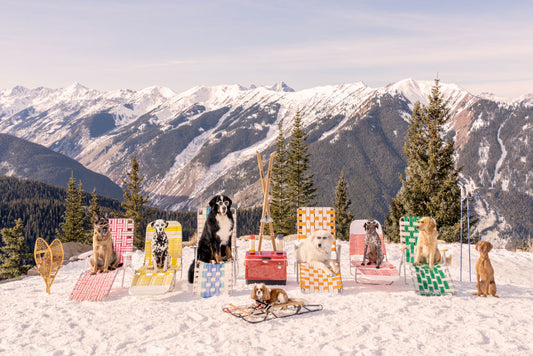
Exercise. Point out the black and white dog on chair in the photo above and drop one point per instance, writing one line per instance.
(373, 252)
(215, 243)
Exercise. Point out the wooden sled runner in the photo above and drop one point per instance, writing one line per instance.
(259, 312)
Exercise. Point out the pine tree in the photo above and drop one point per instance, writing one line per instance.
(300, 184)
(14, 252)
(343, 217)
(73, 227)
(279, 207)
(430, 186)
(94, 208)
(134, 202)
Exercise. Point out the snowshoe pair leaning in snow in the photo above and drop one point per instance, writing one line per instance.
(214, 245)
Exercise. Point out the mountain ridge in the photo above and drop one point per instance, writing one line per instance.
(203, 141)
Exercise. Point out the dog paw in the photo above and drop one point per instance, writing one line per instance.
(377, 267)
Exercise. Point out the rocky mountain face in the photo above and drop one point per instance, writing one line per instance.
(203, 141)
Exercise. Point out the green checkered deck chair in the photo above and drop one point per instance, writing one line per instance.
(428, 282)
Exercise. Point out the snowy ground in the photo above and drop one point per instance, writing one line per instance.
(363, 320)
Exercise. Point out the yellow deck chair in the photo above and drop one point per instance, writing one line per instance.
(311, 279)
(145, 281)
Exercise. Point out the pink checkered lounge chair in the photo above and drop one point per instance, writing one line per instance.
(96, 287)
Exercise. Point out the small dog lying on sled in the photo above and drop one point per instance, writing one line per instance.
(269, 297)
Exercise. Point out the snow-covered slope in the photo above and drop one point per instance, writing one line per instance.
(363, 320)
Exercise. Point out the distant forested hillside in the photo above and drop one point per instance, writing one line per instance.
(41, 207)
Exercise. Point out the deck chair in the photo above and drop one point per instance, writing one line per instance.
(145, 280)
(311, 279)
(212, 279)
(96, 287)
(386, 274)
(427, 282)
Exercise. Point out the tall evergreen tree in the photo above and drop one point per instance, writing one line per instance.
(279, 207)
(94, 209)
(73, 227)
(134, 202)
(300, 184)
(14, 252)
(430, 186)
(343, 217)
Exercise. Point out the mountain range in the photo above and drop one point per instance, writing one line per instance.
(203, 141)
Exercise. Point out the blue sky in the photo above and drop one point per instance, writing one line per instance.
(109, 45)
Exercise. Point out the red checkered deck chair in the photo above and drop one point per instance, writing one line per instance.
(96, 287)
(385, 274)
(311, 279)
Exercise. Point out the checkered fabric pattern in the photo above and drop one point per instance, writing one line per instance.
(96, 287)
(122, 234)
(311, 219)
(315, 280)
(212, 279)
(385, 273)
(409, 235)
(428, 282)
(93, 287)
(145, 281)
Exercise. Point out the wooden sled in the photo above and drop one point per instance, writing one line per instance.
(259, 312)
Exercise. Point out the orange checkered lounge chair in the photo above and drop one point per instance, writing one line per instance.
(309, 278)
(386, 274)
(96, 287)
(145, 281)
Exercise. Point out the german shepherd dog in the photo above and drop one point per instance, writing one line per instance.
(104, 258)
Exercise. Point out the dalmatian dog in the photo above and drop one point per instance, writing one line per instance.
(373, 251)
(160, 256)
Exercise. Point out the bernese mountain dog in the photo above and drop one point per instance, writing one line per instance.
(215, 243)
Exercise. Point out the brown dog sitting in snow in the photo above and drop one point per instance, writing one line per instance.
(485, 273)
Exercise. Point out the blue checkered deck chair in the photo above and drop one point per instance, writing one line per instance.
(212, 279)
(435, 282)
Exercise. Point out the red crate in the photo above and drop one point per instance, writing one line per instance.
(266, 267)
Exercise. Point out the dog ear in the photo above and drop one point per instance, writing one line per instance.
(166, 224)
(365, 226)
(266, 292)
(96, 218)
(213, 202)
(254, 293)
(152, 224)
(489, 246)
(229, 200)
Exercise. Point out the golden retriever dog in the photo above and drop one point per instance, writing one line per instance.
(316, 251)
(262, 293)
(427, 250)
(485, 273)
(103, 258)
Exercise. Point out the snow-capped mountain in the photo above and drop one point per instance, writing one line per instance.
(203, 141)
